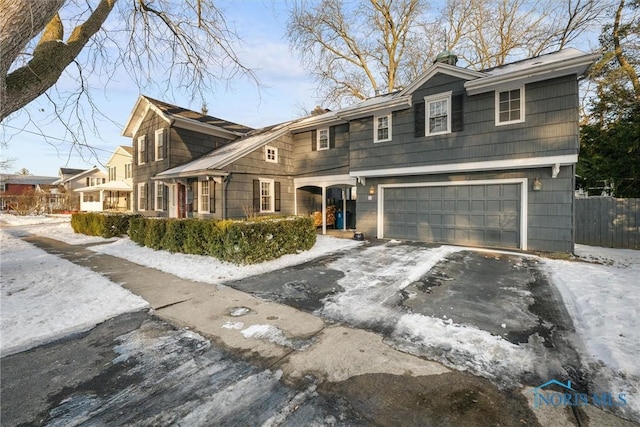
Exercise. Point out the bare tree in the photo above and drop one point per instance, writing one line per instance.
(357, 51)
(187, 41)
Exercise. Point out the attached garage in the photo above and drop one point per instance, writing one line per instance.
(483, 213)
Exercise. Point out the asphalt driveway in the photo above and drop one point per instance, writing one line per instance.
(493, 314)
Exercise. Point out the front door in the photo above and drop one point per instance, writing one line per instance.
(177, 201)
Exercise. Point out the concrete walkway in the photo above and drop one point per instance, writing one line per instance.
(299, 343)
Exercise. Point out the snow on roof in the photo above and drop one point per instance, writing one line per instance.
(228, 153)
(108, 186)
(526, 64)
(27, 179)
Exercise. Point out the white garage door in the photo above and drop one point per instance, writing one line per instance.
(479, 215)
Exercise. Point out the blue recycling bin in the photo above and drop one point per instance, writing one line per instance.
(339, 220)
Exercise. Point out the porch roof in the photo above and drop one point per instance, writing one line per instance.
(107, 186)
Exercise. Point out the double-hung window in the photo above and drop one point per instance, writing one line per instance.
(438, 114)
(266, 195)
(159, 196)
(323, 139)
(142, 149)
(204, 197)
(159, 144)
(142, 196)
(382, 128)
(510, 106)
(127, 171)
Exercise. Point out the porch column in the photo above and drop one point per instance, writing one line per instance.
(101, 200)
(344, 208)
(324, 210)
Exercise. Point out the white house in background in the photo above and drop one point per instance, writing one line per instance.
(114, 194)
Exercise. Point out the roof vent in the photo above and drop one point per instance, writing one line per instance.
(446, 57)
(205, 110)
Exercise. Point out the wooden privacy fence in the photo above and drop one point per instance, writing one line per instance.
(608, 222)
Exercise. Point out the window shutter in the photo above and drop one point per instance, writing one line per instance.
(457, 112)
(256, 195)
(165, 197)
(332, 137)
(276, 190)
(314, 140)
(195, 207)
(88, 182)
(212, 197)
(419, 119)
(165, 142)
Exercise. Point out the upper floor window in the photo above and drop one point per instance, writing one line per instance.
(159, 144)
(92, 182)
(127, 171)
(271, 154)
(438, 114)
(142, 149)
(382, 128)
(112, 173)
(323, 139)
(510, 106)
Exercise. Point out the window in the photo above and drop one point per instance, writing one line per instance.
(266, 195)
(159, 144)
(142, 197)
(271, 154)
(382, 128)
(204, 196)
(323, 139)
(438, 114)
(159, 196)
(127, 170)
(112, 173)
(3, 187)
(142, 149)
(510, 106)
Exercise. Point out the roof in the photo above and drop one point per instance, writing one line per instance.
(80, 175)
(182, 117)
(69, 171)
(27, 179)
(108, 186)
(227, 154)
(121, 150)
(127, 148)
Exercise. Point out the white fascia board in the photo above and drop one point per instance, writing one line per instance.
(399, 103)
(547, 71)
(189, 174)
(316, 124)
(447, 69)
(324, 181)
(138, 114)
(120, 152)
(522, 163)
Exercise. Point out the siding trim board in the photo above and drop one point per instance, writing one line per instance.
(490, 165)
(523, 182)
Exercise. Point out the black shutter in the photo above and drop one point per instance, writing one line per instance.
(256, 195)
(194, 202)
(165, 142)
(88, 182)
(149, 192)
(332, 137)
(212, 196)
(146, 150)
(165, 197)
(457, 112)
(419, 119)
(314, 142)
(276, 189)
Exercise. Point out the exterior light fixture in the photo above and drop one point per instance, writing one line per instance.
(372, 190)
(537, 185)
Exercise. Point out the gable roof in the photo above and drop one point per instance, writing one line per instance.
(226, 154)
(80, 175)
(121, 150)
(183, 118)
(70, 171)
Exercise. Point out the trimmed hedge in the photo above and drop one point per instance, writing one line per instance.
(103, 225)
(240, 242)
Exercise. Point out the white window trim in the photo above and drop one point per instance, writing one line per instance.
(141, 192)
(445, 96)
(158, 206)
(318, 139)
(159, 134)
(497, 106)
(266, 154)
(272, 198)
(375, 127)
(200, 198)
(142, 142)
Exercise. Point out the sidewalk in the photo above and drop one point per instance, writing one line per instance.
(343, 360)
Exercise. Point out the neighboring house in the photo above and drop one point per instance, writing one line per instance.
(115, 193)
(74, 179)
(483, 158)
(13, 185)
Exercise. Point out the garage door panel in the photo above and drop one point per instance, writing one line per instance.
(486, 214)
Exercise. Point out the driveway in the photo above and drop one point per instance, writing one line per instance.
(492, 314)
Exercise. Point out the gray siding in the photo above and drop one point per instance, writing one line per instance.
(550, 211)
(334, 161)
(550, 128)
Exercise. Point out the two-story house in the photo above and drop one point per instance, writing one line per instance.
(483, 158)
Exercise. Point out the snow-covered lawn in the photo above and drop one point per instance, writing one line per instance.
(602, 296)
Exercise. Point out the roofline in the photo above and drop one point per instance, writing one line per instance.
(202, 172)
(93, 169)
(578, 65)
(119, 147)
(443, 68)
(201, 127)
